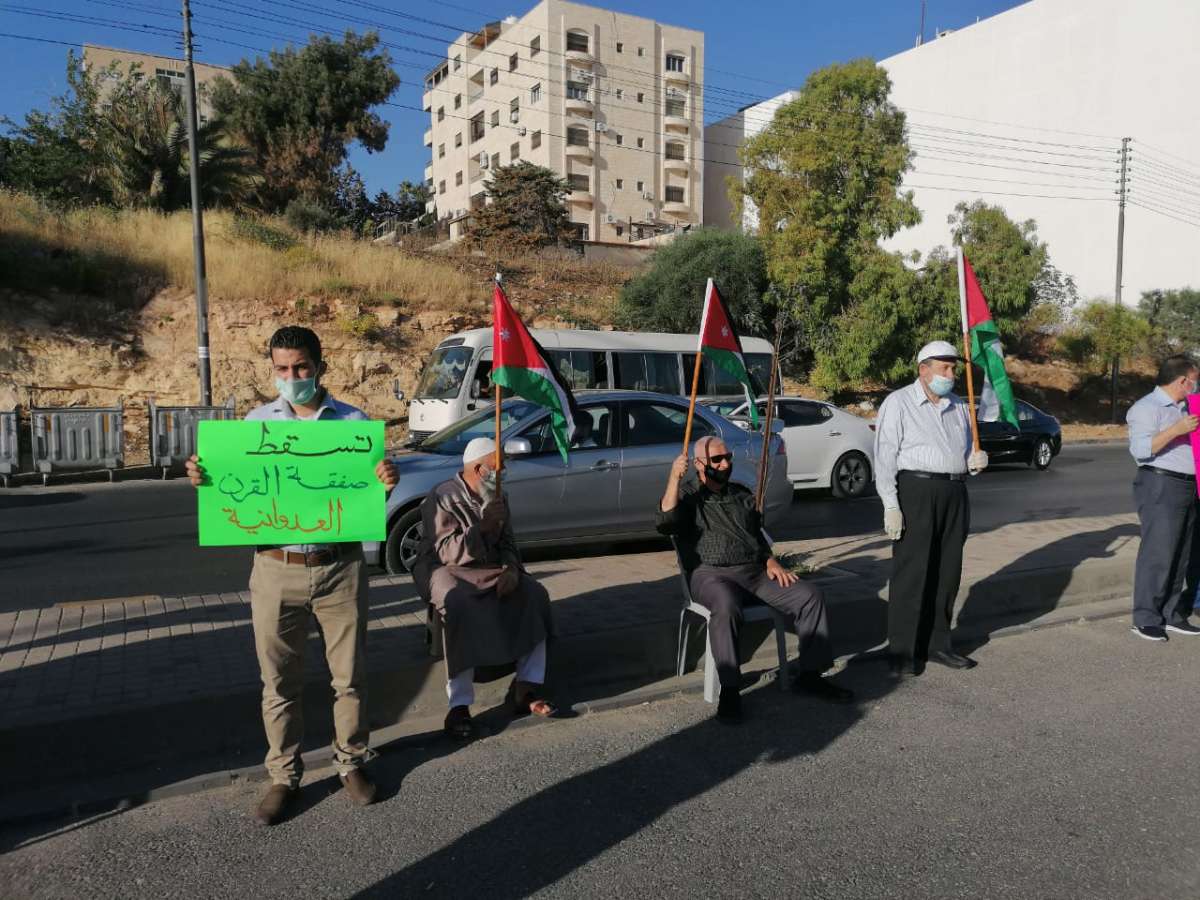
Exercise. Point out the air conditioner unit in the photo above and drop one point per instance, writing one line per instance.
(514, 116)
(647, 195)
(584, 76)
(610, 218)
(674, 92)
(602, 127)
(521, 131)
(483, 160)
(649, 215)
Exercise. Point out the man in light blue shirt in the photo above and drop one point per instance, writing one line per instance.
(291, 585)
(1165, 493)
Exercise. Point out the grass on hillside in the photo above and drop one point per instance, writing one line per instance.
(123, 257)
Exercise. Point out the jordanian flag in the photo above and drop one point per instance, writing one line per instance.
(720, 343)
(520, 364)
(996, 398)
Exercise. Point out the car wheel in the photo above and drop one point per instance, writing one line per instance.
(400, 552)
(1042, 454)
(851, 476)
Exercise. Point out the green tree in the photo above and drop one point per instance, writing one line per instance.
(525, 207)
(669, 296)
(406, 205)
(300, 110)
(1104, 331)
(825, 176)
(1173, 317)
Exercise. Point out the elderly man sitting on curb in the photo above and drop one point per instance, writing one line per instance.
(718, 525)
(492, 612)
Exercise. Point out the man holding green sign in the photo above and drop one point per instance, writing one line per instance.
(303, 480)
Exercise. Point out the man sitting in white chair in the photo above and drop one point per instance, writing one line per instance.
(717, 526)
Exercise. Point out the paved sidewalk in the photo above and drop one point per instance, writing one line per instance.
(97, 659)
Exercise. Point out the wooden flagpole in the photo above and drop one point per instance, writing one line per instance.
(495, 353)
(687, 431)
(764, 461)
(962, 303)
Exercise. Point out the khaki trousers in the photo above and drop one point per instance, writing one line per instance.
(284, 598)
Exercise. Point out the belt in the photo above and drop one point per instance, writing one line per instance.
(296, 558)
(938, 476)
(1181, 476)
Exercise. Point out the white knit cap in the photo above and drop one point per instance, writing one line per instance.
(478, 448)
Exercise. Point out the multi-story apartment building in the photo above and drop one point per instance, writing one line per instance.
(611, 102)
(168, 70)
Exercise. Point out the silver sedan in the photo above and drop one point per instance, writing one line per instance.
(609, 488)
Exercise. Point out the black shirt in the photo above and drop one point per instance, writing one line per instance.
(715, 529)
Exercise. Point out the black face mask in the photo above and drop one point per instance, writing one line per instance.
(720, 476)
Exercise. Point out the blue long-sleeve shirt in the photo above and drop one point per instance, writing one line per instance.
(1154, 413)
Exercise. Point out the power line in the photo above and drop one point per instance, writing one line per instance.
(927, 172)
(968, 190)
(1189, 162)
(1167, 215)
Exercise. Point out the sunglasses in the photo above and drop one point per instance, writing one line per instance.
(721, 457)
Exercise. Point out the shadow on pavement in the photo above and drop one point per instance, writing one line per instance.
(9, 500)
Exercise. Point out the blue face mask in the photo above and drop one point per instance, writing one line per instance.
(301, 390)
(941, 385)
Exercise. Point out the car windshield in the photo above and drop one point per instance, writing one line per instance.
(452, 441)
(443, 377)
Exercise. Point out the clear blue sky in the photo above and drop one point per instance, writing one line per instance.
(759, 47)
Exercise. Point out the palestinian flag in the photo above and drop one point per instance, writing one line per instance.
(520, 364)
(721, 344)
(996, 396)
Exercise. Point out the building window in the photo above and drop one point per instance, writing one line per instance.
(458, 139)
(458, 101)
(577, 90)
(535, 46)
(674, 195)
(675, 150)
(441, 150)
(641, 51)
(514, 110)
(495, 117)
(620, 47)
(641, 97)
(477, 131)
(457, 63)
(441, 187)
(535, 140)
(514, 152)
(578, 182)
(441, 113)
(495, 160)
(577, 41)
(641, 186)
(676, 108)
(535, 94)
(457, 178)
(620, 94)
(674, 63)
(581, 230)
(512, 63)
(620, 139)
(577, 137)
(620, 230)
(620, 183)
(494, 77)
(641, 143)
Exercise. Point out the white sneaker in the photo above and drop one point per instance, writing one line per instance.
(1184, 628)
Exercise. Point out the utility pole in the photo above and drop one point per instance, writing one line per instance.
(202, 358)
(1116, 366)
(921, 34)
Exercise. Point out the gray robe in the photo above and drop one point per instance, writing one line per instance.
(457, 568)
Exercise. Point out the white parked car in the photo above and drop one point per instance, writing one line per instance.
(827, 447)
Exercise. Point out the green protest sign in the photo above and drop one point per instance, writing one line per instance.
(290, 482)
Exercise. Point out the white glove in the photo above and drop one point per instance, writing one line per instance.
(893, 523)
(977, 462)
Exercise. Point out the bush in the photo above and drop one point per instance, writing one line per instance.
(364, 325)
(310, 217)
(259, 232)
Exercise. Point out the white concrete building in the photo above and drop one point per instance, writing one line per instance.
(611, 102)
(1026, 110)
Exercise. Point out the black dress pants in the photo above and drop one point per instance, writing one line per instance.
(926, 565)
(1167, 512)
(724, 590)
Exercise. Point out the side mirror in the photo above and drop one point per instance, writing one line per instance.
(396, 392)
(475, 389)
(517, 447)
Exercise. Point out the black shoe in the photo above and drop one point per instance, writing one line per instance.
(274, 805)
(901, 668)
(1184, 627)
(952, 660)
(814, 685)
(1150, 632)
(729, 705)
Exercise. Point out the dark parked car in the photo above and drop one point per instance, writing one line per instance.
(1035, 443)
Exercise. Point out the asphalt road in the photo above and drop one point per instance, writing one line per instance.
(78, 542)
(1061, 767)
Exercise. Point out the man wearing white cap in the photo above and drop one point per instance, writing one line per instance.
(469, 568)
(922, 457)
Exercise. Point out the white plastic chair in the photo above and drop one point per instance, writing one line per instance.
(753, 612)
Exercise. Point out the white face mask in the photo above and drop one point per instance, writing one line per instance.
(487, 486)
(941, 385)
(299, 390)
